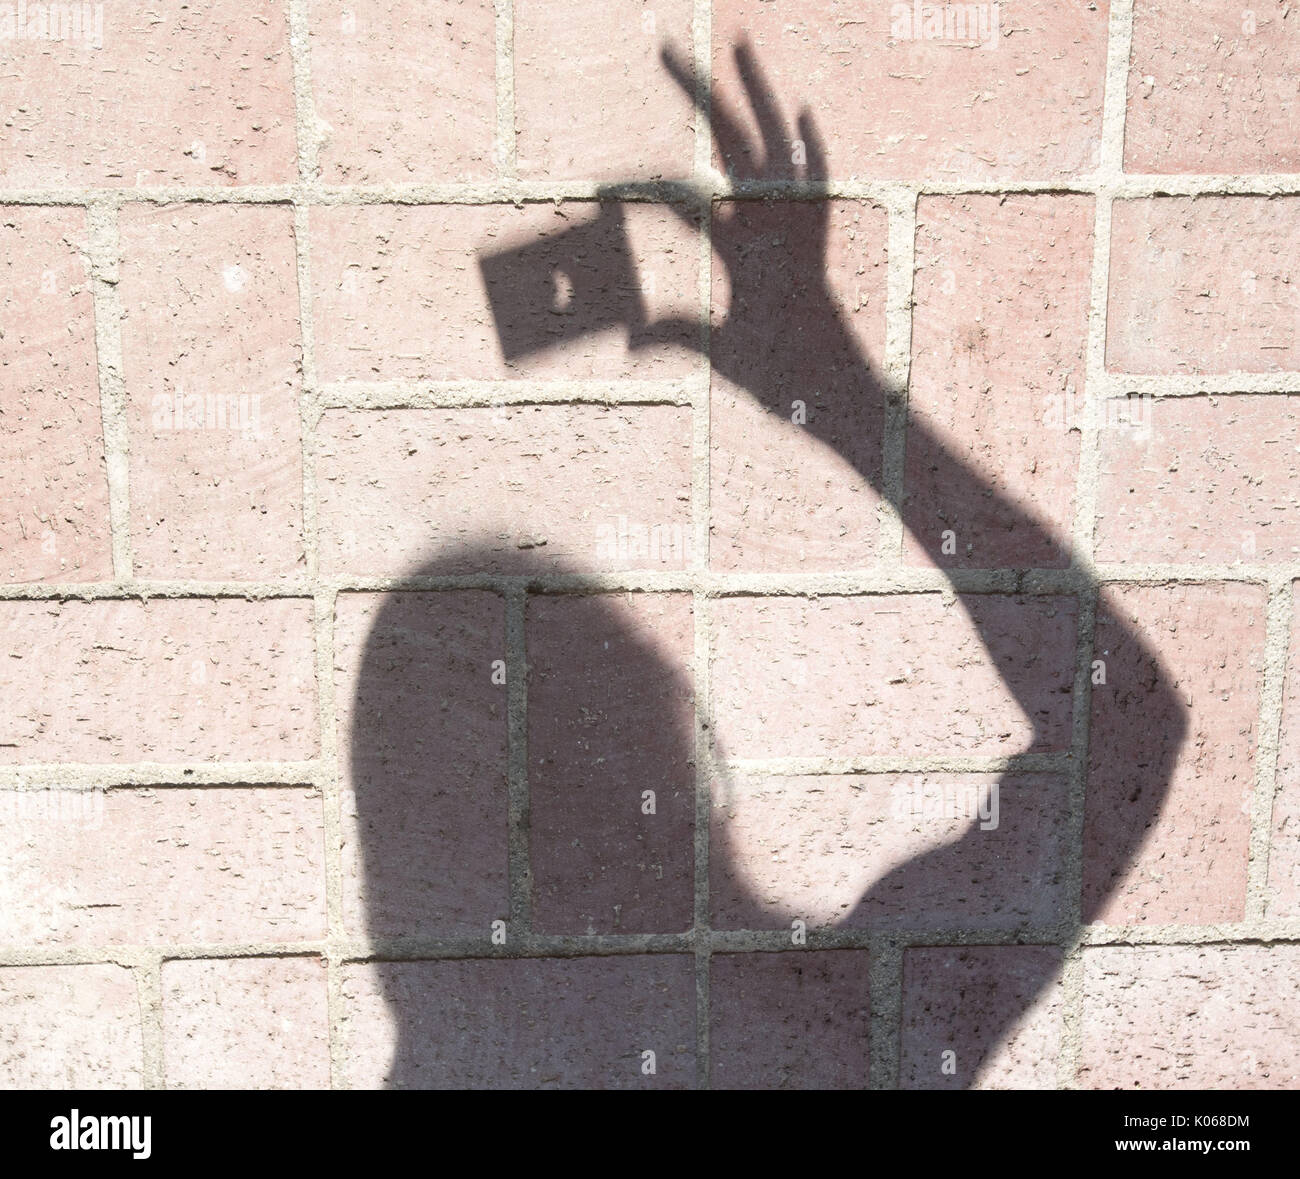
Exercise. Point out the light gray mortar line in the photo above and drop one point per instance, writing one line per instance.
(885, 1011)
(702, 52)
(1072, 999)
(304, 105)
(865, 583)
(1115, 99)
(154, 775)
(901, 264)
(518, 804)
(884, 961)
(331, 804)
(1118, 385)
(702, 515)
(359, 949)
(148, 978)
(1191, 574)
(704, 770)
(317, 775)
(1085, 505)
(898, 936)
(505, 146)
(132, 590)
(1280, 930)
(1276, 642)
(1127, 187)
(890, 765)
(104, 253)
(1110, 175)
(323, 598)
(336, 1008)
(1073, 841)
(399, 395)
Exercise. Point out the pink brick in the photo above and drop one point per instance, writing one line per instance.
(70, 1027)
(999, 330)
(1191, 1017)
(1167, 832)
(405, 90)
(199, 865)
(1211, 88)
(54, 525)
(1207, 479)
(398, 292)
(1204, 285)
(513, 489)
(888, 850)
(196, 95)
(422, 761)
(170, 679)
(1283, 897)
(794, 1020)
(860, 676)
(212, 379)
(539, 1023)
(1025, 103)
(611, 716)
(783, 495)
(245, 1023)
(980, 1017)
(591, 97)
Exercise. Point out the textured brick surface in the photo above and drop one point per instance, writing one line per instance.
(398, 293)
(921, 852)
(1192, 864)
(397, 570)
(779, 498)
(795, 1020)
(1190, 1017)
(861, 676)
(70, 1027)
(168, 680)
(245, 1023)
(1204, 285)
(892, 100)
(54, 525)
(599, 670)
(199, 94)
(187, 865)
(212, 375)
(405, 90)
(998, 335)
(986, 1017)
(525, 1024)
(590, 95)
(1203, 479)
(1211, 88)
(397, 486)
(422, 759)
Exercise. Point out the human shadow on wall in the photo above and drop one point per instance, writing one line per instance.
(610, 715)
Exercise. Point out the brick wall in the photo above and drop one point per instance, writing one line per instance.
(340, 648)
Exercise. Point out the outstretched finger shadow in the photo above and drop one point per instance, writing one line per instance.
(531, 916)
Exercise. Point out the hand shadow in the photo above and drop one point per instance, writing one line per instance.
(590, 880)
